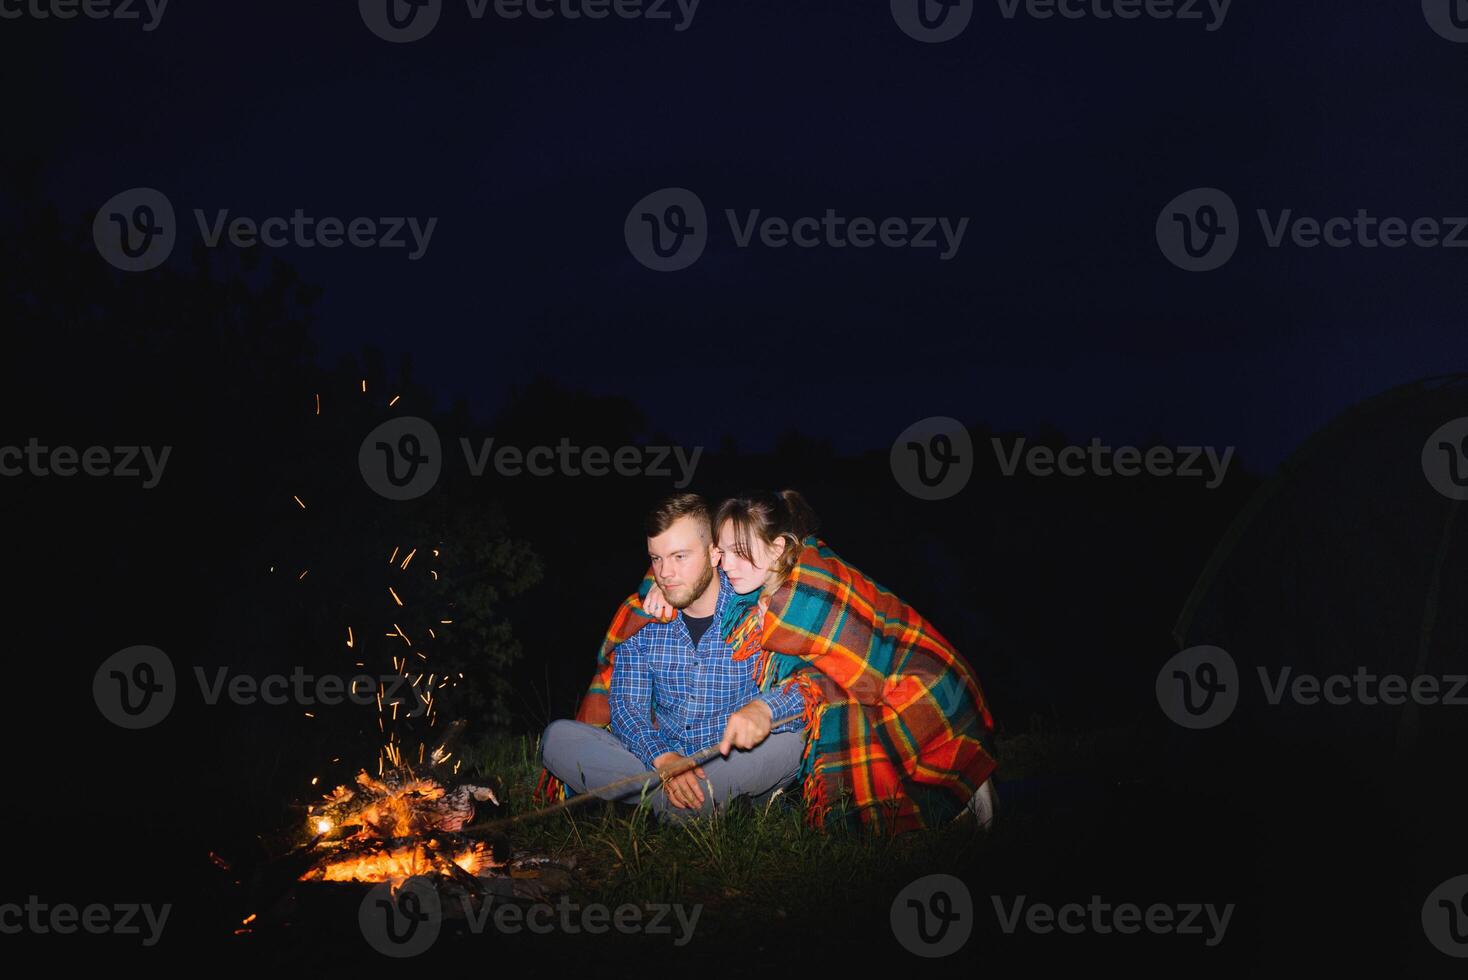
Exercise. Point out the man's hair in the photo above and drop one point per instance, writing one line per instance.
(670, 509)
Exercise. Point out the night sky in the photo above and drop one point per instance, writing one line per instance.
(1060, 140)
(1059, 146)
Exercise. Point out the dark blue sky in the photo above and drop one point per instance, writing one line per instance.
(1060, 141)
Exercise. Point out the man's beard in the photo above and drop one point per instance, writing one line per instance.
(687, 598)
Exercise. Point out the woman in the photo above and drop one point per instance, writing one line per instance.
(896, 717)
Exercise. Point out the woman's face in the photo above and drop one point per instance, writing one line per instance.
(748, 574)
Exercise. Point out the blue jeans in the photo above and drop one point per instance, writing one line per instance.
(584, 756)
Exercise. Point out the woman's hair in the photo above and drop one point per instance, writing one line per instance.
(770, 517)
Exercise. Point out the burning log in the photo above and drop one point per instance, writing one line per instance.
(400, 825)
(398, 858)
(400, 804)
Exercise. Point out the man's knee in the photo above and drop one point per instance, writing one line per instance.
(555, 740)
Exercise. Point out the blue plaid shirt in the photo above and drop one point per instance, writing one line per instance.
(693, 689)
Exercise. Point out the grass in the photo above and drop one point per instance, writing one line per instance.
(752, 865)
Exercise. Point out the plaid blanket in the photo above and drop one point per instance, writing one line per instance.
(896, 718)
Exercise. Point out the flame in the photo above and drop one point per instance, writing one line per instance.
(396, 863)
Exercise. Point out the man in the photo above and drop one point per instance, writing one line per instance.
(683, 673)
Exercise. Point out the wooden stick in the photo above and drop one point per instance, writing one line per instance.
(626, 782)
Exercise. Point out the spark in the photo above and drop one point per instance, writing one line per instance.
(394, 595)
(350, 641)
(394, 401)
(393, 557)
(404, 566)
(302, 575)
(318, 403)
(299, 501)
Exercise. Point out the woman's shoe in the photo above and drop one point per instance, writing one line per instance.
(984, 804)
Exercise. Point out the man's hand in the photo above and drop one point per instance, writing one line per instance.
(746, 727)
(656, 604)
(683, 789)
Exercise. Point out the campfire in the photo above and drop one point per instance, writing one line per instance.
(397, 826)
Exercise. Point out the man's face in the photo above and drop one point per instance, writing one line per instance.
(682, 562)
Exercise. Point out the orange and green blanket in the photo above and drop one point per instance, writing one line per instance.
(895, 716)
